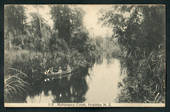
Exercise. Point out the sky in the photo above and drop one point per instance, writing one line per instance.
(90, 20)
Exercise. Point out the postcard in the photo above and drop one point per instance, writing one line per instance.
(84, 55)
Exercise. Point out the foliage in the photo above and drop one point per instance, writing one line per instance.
(14, 22)
(15, 84)
(40, 47)
(66, 19)
(141, 37)
(14, 18)
(76, 33)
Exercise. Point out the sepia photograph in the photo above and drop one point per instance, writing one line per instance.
(84, 55)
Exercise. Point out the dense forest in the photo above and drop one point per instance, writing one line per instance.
(138, 41)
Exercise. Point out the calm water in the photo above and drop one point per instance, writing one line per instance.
(100, 86)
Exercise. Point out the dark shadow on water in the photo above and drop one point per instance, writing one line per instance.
(63, 90)
(72, 90)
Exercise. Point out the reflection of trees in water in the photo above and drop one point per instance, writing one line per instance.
(72, 90)
(99, 59)
(63, 90)
(108, 56)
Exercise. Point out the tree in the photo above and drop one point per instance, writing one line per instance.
(14, 20)
(66, 20)
(141, 37)
(41, 32)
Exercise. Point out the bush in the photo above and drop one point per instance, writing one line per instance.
(141, 38)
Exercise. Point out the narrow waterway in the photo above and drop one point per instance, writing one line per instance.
(103, 82)
(100, 86)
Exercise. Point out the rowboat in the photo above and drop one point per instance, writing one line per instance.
(51, 75)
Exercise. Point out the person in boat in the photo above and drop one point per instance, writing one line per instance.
(46, 72)
(68, 68)
(59, 70)
(50, 70)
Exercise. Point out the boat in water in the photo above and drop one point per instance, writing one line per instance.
(51, 74)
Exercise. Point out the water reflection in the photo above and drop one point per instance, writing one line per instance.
(62, 90)
(41, 98)
(103, 83)
(99, 87)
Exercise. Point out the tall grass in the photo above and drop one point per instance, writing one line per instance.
(21, 70)
(14, 84)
